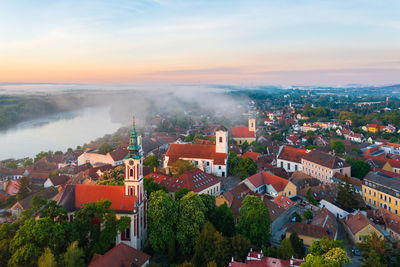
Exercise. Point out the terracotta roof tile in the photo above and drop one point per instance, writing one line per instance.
(253, 155)
(120, 255)
(85, 193)
(283, 201)
(242, 132)
(177, 151)
(292, 154)
(262, 178)
(325, 159)
(357, 222)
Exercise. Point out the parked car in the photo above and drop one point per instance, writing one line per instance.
(355, 251)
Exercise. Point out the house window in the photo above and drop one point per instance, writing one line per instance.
(208, 163)
(295, 167)
(395, 212)
(288, 166)
(219, 167)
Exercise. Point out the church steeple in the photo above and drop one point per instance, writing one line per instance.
(133, 148)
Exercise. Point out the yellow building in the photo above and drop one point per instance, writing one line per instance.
(242, 134)
(382, 191)
(358, 226)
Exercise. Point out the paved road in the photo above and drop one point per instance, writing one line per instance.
(356, 260)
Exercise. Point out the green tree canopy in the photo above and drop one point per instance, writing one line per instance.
(359, 168)
(285, 250)
(47, 259)
(191, 219)
(180, 193)
(298, 245)
(105, 147)
(338, 146)
(150, 186)
(74, 256)
(162, 219)
(346, 194)
(254, 221)
(224, 221)
(114, 176)
(152, 161)
(180, 166)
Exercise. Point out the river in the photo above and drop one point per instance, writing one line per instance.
(57, 132)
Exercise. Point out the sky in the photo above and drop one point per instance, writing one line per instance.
(269, 42)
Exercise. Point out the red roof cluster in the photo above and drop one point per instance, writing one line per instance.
(120, 255)
(253, 155)
(283, 201)
(195, 180)
(242, 132)
(85, 193)
(196, 151)
(291, 154)
(262, 178)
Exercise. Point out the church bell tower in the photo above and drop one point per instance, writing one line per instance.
(133, 183)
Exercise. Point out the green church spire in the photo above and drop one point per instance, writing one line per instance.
(134, 147)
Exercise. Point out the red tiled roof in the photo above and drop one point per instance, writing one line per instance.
(13, 187)
(357, 222)
(177, 151)
(242, 132)
(120, 255)
(195, 180)
(262, 178)
(119, 153)
(252, 155)
(85, 193)
(283, 201)
(292, 154)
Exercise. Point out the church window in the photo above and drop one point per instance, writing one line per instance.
(220, 139)
(131, 172)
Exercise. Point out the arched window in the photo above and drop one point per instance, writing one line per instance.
(131, 191)
(220, 139)
(131, 172)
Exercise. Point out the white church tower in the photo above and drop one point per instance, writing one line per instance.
(221, 140)
(134, 187)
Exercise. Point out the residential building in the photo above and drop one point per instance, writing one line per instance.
(242, 134)
(289, 158)
(323, 224)
(115, 157)
(195, 180)
(24, 204)
(211, 159)
(323, 166)
(358, 226)
(127, 200)
(267, 183)
(389, 221)
(56, 181)
(381, 190)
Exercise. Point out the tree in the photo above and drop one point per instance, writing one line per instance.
(373, 259)
(53, 211)
(28, 162)
(359, 168)
(47, 259)
(150, 186)
(112, 177)
(245, 145)
(58, 152)
(338, 146)
(40, 155)
(323, 245)
(31, 239)
(105, 147)
(161, 220)
(233, 161)
(37, 202)
(74, 256)
(180, 166)
(209, 203)
(311, 198)
(308, 215)
(336, 257)
(373, 242)
(346, 195)
(285, 250)
(224, 221)
(277, 136)
(204, 249)
(245, 168)
(298, 245)
(11, 164)
(240, 246)
(181, 193)
(97, 226)
(152, 161)
(24, 184)
(191, 219)
(254, 221)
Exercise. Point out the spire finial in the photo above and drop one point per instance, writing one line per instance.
(133, 120)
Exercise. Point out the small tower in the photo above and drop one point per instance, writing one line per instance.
(221, 140)
(252, 125)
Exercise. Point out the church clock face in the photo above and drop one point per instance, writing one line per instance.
(131, 162)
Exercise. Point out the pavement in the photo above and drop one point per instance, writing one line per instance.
(356, 261)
